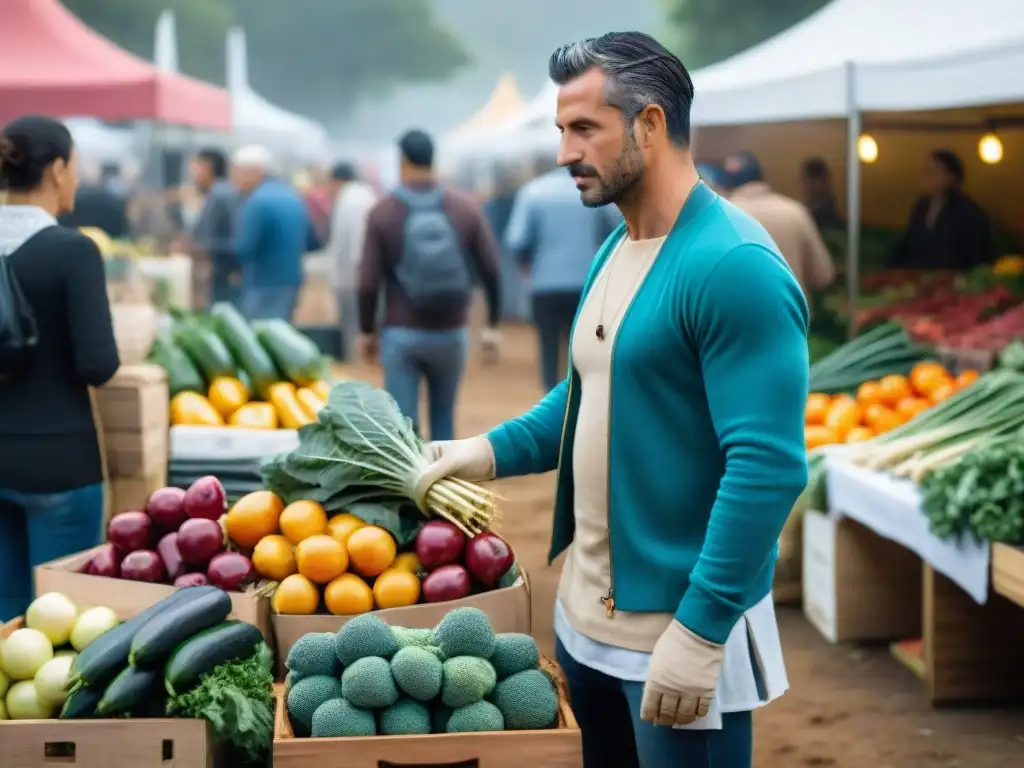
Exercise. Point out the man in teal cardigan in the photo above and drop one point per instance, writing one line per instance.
(677, 433)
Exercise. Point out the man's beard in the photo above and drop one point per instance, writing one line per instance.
(618, 183)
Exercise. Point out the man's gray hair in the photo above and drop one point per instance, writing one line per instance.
(640, 72)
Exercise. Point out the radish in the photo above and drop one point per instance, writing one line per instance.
(191, 580)
(143, 565)
(449, 582)
(230, 571)
(131, 531)
(168, 549)
(206, 498)
(488, 557)
(106, 562)
(167, 508)
(439, 543)
(199, 539)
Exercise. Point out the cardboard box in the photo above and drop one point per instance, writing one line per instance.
(136, 399)
(857, 585)
(508, 609)
(133, 492)
(117, 743)
(1008, 572)
(127, 598)
(137, 454)
(559, 747)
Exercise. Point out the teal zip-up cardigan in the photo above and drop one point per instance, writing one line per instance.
(708, 386)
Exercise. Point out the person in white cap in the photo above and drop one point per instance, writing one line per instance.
(272, 235)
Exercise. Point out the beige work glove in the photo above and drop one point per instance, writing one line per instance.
(471, 460)
(682, 677)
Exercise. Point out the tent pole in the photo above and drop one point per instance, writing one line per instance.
(854, 126)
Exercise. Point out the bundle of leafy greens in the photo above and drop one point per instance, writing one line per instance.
(362, 455)
(237, 700)
(982, 494)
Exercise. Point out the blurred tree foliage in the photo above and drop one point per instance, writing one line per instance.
(313, 56)
(705, 31)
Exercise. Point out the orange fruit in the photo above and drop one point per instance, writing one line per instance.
(396, 589)
(340, 527)
(816, 436)
(966, 378)
(320, 558)
(371, 550)
(348, 595)
(302, 519)
(843, 416)
(407, 561)
(943, 392)
(274, 558)
(296, 595)
(909, 407)
(894, 389)
(869, 392)
(926, 377)
(817, 408)
(252, 517)
(859, 434)
(882, 419)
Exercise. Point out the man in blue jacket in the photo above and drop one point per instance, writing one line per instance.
(273, 234)
(677, 433)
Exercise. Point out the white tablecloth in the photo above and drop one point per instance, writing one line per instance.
(891, 508)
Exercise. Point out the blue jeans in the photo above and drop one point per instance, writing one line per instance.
(277, 303)
(410, 355)
(38, 527)
(614, 736)
(224, 284)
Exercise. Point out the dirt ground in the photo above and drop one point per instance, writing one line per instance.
(847, 707)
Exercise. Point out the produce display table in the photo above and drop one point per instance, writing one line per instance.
(891, 508)
(969, 649)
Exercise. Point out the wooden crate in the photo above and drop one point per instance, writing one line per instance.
(559, 747)
(1008, 572)
(117, 743)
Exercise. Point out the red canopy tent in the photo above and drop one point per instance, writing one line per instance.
(51, 63)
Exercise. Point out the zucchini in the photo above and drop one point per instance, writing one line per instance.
(245, 348)
(168, 629)
(210, 648)
(182, 375)
(81, 703)
(295, 354)
(108, 653)
(206, 349)
(130, 690)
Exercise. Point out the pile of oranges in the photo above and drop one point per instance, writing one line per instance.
(340, 562)
(879, 405)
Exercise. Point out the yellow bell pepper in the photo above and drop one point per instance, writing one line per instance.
(227, 394)
(322, 389)
(290, 413)
(192, 409)
(1010, 265)
(310, 402)
(254, 416)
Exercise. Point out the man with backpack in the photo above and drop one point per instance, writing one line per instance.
(425, 246)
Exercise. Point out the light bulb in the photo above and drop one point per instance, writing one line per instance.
(867, 148)
(990, 149)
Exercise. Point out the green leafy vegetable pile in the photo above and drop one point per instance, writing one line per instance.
(237, 700)
(362, 455)
(982, 494)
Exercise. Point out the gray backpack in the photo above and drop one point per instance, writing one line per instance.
(432, 270)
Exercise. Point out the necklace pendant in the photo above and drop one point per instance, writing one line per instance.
(599, 332)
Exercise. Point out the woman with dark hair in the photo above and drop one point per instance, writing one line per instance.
(51, 470)
(946, 229)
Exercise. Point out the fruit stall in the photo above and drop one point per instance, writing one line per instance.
(332, 615)
(913, 517)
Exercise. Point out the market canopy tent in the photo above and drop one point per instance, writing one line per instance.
(52, 63)
(871, 55)
(503, 106)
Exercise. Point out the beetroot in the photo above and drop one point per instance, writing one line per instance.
(131, 530)
(168, 549)
(488, 557)
(191, 580)
(106, 562)
(199, 539)
(143, 565)
(167, 508)
(439, 543)
(230, 571)
(449, 582)
(206, 498)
